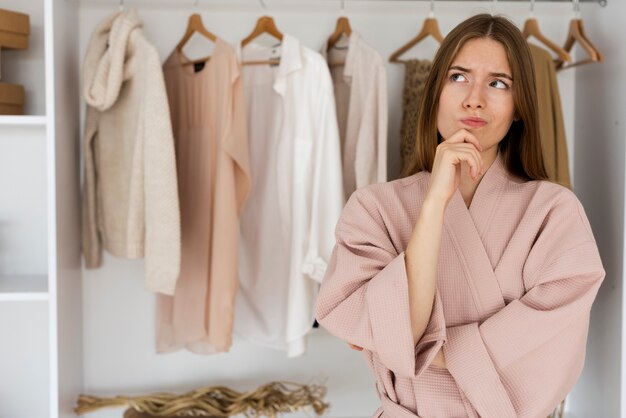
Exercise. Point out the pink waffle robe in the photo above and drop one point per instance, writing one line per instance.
(517, 274)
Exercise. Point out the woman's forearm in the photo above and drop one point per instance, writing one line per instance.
(421, 258)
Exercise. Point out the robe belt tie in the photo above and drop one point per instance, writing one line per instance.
(390, 409)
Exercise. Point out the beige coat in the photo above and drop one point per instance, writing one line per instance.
(517, 274)
(130, 198)
(360, 88)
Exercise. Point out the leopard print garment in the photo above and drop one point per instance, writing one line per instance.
(416, 72)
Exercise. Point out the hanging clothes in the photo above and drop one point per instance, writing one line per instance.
(130, 198)
(211, 138)
(360, 88)
(415, 75)
(287, 224)
(518, 272)
(551, 127)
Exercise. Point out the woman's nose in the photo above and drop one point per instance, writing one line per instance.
(474, 98)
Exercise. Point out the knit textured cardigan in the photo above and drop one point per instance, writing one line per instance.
(130, 196)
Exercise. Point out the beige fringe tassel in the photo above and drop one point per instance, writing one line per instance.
(559, 410)
(218, 401)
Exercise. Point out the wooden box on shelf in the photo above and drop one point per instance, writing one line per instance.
(11, 99)
(14, 29)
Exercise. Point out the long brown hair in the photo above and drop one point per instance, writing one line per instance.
(521, 146)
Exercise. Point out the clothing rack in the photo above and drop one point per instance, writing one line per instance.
(266, 3)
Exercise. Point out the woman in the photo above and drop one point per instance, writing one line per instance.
(468, 283)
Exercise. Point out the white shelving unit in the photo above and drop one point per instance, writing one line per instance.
(25, 304)
(40, 328)
(24, 288)
(23, 121)
(24, 359)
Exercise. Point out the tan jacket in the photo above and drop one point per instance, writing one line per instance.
(130, 197)
(551, 128)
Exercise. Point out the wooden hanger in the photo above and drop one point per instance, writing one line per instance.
(265, 24)
(342, 28)
(531, 28)
(430, 27)
(195, 25)
(575, 34)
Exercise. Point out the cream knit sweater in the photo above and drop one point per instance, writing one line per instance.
(130, 196)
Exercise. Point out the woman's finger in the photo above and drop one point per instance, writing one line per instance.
(463, 135)
(473, 151)
(457, 155)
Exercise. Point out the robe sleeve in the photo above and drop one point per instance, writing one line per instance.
(364, 297)
(327, 197)
(523, 360)
(162, 213)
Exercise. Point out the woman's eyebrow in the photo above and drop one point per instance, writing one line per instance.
(466, 70)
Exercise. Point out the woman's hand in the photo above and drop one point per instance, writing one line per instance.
(462, 146)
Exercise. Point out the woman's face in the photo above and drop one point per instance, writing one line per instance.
(477, 94)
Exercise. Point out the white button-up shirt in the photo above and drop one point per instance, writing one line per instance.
(287, 224)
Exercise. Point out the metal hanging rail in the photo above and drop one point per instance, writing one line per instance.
(270, 3)
(602, 3)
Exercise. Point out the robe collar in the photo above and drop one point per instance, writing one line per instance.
(467, 229)
(482, 207)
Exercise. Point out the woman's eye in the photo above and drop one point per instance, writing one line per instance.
(499, 84)
(457, 77)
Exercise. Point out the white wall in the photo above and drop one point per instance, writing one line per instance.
(118, 314)
(600, 121)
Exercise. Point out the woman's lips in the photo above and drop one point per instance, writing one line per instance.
(474, 122)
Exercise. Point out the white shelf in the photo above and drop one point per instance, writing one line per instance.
(26, 120)
(23, 287)
(25, 360)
